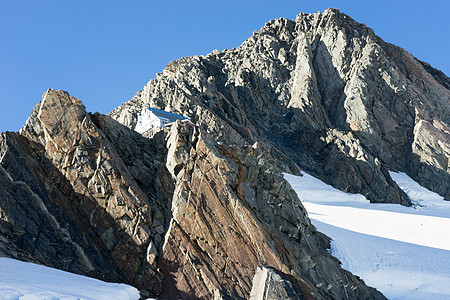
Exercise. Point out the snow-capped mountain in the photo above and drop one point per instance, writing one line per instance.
(201, 208)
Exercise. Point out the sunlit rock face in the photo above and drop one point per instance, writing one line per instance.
(177, 215)
(232, 211)
(202, 210)
(92, 187)
(323, 93)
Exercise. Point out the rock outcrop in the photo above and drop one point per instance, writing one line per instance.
(267, 284)
(202, 211)
(233, 211)
(178, 215)
(323, 93)
(107, 180)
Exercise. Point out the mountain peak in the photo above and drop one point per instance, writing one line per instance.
(320, 77)
(196, 211)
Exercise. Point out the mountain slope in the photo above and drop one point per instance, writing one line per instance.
(197, 211)
(404, 256)
(321, 92)
(177, 215)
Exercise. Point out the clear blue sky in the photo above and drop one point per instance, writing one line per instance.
(102, 52)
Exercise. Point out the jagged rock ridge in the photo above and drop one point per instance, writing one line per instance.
(198, 211)
(321, 92)
(177, 215)
(96, 188)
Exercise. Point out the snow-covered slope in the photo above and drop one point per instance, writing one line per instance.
(21, 280)
(402, 251)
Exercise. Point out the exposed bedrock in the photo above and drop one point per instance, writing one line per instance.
(178, 215)
(323, 93)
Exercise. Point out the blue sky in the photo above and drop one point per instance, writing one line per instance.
(103, 52)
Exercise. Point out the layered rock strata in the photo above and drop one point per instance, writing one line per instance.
(203, 211)
(97, 192)
(178, 215)
(323, 93)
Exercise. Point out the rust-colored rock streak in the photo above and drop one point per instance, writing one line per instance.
(232, 211)
(178, 215)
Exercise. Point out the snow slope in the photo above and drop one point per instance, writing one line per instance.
(27, 281)
(404, 252)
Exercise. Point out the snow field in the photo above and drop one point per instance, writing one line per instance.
(404, 252)
(28, 281)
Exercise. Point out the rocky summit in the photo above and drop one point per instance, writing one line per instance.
(200, 209)
(322, 93)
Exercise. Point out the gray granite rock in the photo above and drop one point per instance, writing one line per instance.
(178, 215)
(192, 212)
(294, 82)
(268, 285)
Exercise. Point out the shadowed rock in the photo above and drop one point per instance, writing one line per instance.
(193, 212)
(178, 215)
(323, 93)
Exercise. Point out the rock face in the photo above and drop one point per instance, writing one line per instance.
(202, 211)
(177, 215)
(232, 211)
(267, 284)
(323, 93)
(96, 189)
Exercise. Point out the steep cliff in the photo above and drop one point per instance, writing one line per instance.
(324, 92)
(202, 210)
(178, 215)
(232, 212)
(98, 192)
